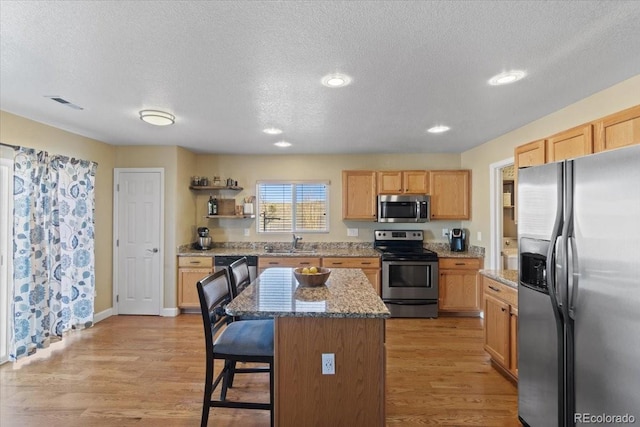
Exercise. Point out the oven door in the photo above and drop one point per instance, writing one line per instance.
(409, 280)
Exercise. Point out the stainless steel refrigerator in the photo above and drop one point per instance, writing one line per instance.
(579, 291)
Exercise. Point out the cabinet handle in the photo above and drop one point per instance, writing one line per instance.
(503, 309)
(274, 263)
(494, 289)
(194, 262)
(305, 263)
(336, 263)
(460, 263)
(365, 263)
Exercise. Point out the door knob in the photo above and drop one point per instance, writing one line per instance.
(154, 250)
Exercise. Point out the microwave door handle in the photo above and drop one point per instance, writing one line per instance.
(417, 210)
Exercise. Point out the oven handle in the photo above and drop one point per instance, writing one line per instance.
(413, 302)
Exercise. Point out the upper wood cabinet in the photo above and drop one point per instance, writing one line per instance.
(531, 154)
(403, 182)
(571, 143)
(617, 130)
(359, 195)
(450, 192)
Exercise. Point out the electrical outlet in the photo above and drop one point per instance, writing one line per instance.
(479, 236)
(247, 232)
(328, 364)
(352, 232)
(445, 232)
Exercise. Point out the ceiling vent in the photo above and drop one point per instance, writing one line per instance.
(64, 102)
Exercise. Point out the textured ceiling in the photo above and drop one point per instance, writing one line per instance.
(227, 70)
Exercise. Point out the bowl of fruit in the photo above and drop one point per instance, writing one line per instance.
(311, 276)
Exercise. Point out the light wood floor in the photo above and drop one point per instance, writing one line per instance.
(148, 371)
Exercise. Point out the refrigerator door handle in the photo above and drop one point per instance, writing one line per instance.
(567, 232)
(550, 278)
(575, 275)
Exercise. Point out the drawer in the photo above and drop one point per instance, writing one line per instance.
(500, 291)
(195, 261)
(459, 263)
(350, 262)
(264, 262)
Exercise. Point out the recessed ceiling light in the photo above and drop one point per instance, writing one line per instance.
(336, 80)
(282, 144)
(156, 117)
(438, 129)
(272, 131)
(507, 77)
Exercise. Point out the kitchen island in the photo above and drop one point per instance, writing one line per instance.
(344, 317)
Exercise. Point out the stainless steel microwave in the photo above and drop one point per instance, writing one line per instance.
(404, 208)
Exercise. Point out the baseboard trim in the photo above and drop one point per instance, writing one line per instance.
(98, 317)
(169, 312)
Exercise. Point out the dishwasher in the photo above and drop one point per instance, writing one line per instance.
(224, 261)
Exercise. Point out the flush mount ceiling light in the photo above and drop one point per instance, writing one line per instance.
(272, 131)
(336, 80)
(438, 129)
(158, 118)
(507, 77)
(282, 144)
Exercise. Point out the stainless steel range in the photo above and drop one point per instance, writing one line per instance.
(409, 273)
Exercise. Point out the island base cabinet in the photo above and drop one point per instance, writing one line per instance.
(354, 396)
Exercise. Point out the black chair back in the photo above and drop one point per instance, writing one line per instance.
(239, 275)
(213, 292)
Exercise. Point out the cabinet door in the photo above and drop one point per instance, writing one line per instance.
(450, 192)
(618, 130)
(359, 200)
(513, 342)
(373, 274)
(390, 182)
(187, 291)
(571, 143)
(369, 265)
(531, 154)
(459, 291)
(415, 182)
(496, 330)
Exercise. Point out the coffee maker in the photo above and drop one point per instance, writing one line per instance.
(204, 240)
(458, 240)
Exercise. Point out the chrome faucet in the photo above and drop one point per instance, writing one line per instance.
(294, 242)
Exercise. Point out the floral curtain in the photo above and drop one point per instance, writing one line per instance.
(53, 259)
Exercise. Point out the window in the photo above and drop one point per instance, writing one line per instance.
(293, 207)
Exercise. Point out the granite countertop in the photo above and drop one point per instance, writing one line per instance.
(506, 277)
(261, 252)
(321, 250)
(276, 293)
(443, 251)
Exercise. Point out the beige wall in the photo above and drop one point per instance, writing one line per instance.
(249, 169)
(17, 130)
(478, 159)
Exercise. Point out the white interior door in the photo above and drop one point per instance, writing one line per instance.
(138, 224)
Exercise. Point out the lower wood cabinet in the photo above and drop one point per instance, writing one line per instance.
(292, 262)
(458, 286)
(370, 267)
(190, 270)
(501, 325)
